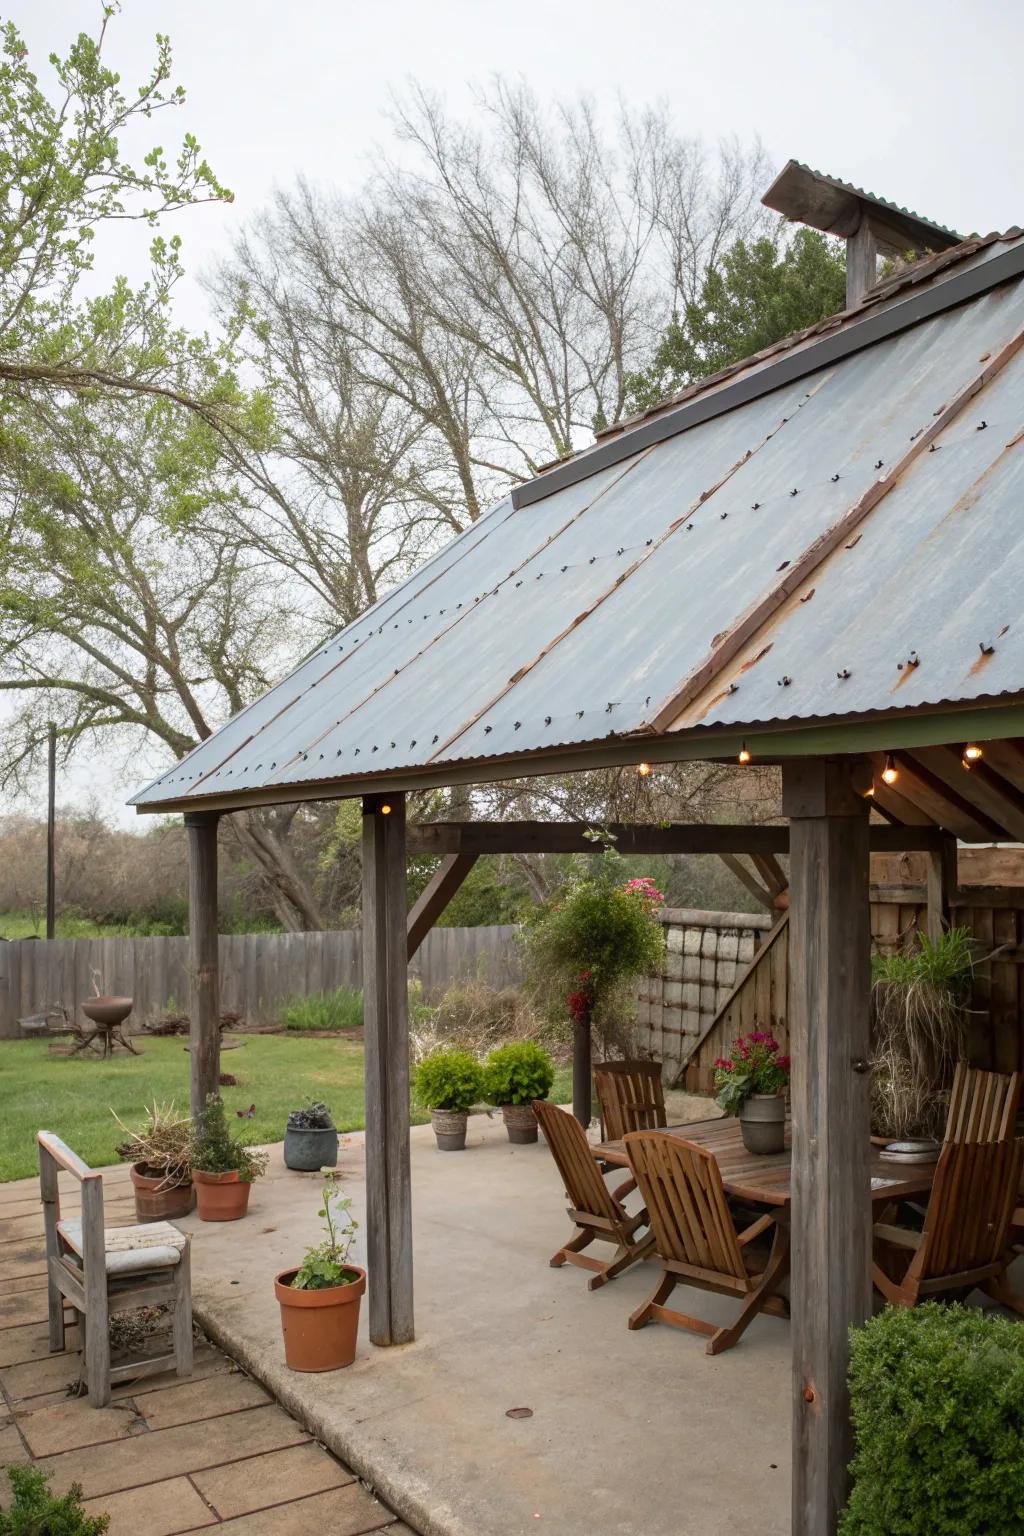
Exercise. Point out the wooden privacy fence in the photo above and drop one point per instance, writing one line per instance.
(759, 999)
(260, 972)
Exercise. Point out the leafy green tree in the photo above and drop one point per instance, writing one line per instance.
(62, 177)
(760, 292)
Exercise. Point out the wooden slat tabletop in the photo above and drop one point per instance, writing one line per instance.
(766, 1179)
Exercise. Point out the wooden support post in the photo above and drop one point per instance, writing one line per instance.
(435, 897)
(861, 262)
(830, 970)
(941, 882)
(386, 1039)
(582, 1053)
(203, 970)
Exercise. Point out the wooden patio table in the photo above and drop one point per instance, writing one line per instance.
(765, 1179)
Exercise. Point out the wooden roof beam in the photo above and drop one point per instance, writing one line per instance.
(497, 837)
(979, 785)
(946, 806)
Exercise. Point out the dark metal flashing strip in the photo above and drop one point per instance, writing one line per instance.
(923, 726)
(851, 338)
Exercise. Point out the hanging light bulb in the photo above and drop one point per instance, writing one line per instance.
(385, 809)
(890, 773)
(972, 752)
(744, 756)
(869, 793)
(643, 769)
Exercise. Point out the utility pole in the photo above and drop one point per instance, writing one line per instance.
(51, 819)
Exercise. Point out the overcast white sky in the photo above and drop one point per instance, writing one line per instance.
(918, 101)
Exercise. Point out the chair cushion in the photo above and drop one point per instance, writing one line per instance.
(130, 1250)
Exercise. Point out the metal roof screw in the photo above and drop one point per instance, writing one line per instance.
(733, 688)
(981, 426)
(440, 610)
(373, 749)
(879, 463)
(689, 527)
(722, 516)
(273, 765)
(913, 660)
(756, 507)
(795, 491)
(357, 751)
(540, 575)
(518, 583)
(843, 674)
(395, 673)
(985, 648)
(518, 724)
(579, 714)
(782, 567)
(592, 559)
(784, 681)
(649, 543)
(564, 569)
(338, 753)
(488, 729)
(834, 479)
(412, 743)
(934, 447)
(392, 746)
(436, 739)
(620, 551)
(547, 719)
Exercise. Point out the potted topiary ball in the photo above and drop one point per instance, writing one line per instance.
(515, 1075)
(310, 1138)
(319, 1301)
(223, 1169)
(449, 1083)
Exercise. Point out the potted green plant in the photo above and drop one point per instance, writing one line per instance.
(515, 1075)
(310, 1138)
(751, 1083)
(32, 1510)
(223, 1169)
(449, 1083)
(319, 1301)
(590, 941)
(160, 1156)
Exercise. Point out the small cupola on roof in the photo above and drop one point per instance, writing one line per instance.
(870, 225)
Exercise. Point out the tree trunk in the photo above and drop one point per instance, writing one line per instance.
(293, 901)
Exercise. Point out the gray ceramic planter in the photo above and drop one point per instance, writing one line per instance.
(309, 1151)
(763, 1123)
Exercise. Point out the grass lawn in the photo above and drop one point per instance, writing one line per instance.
(74, 1096)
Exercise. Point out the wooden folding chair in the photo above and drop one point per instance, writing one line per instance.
(102, 1270)
(631, 1095)
(982, 1105)
(696, 1241)
(966, 1237)
(599, 1214)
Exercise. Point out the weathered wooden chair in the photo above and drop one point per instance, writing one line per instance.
(982, 1105)
(967, 1228)
(631, 1096)
(101, 1270)
(696, 1241)
(598, 1213)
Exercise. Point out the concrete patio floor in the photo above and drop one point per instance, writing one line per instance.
(638, 1434)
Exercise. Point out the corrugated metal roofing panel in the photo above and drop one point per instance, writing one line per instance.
(573, 618)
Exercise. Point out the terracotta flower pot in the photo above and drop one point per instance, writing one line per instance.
(156, 1200)
(449, 1128)
(520, 1122)
(319, 1327)
(220, 1196)
(763, 1123)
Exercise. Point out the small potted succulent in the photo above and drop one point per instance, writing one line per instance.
(751, 1083)
(160, 1157)
(319, 1301)
(515, 1075)
(223, 1169)
(449, 1083)
(310, 1138)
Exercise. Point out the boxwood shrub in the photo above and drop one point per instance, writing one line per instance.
(937, 1400)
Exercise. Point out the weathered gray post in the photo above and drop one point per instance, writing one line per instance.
(386, 1040)
(203, 974)
(830, 971)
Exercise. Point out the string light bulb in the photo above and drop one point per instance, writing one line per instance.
(972, 752)
(385, 809)
(890, 773)
(744, 754)
(643, 769)
(869, 793)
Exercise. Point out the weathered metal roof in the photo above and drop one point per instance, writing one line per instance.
(652, 594)
(836, 207)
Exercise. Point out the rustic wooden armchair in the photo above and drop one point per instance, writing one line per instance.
(696, 1240)
(982, 1105)
(967, 1229)
(101, 1269)
(631, 1096)
(598, 1213)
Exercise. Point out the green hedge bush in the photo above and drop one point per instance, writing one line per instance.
(518, 1074)
(34, 1511)
(937, 1401)
(450, 1080)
